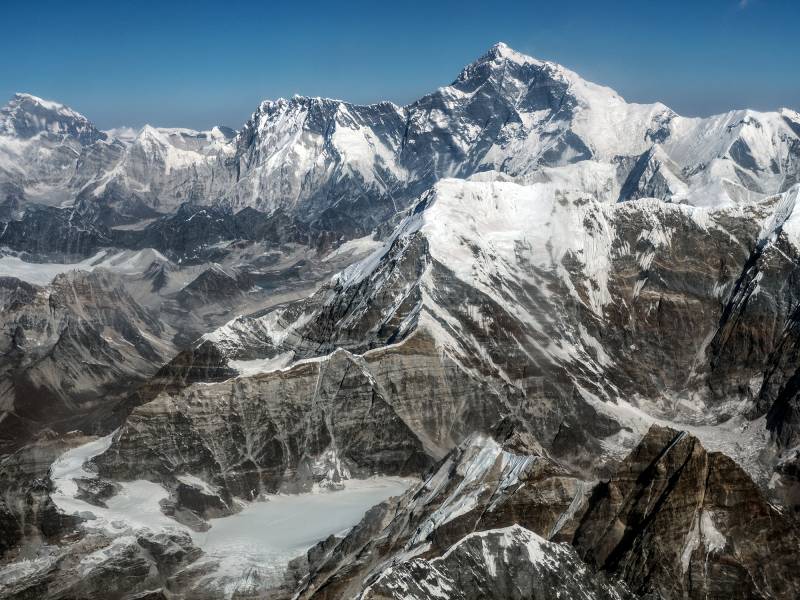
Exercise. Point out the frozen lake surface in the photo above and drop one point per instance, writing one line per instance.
(258, 541)
(266, 535)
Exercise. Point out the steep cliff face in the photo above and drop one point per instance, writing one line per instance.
(672, 522)
(317, 422)
(679, 521)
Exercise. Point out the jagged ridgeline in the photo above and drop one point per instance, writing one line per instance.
(517, 339)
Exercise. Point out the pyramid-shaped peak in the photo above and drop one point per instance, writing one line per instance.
(499, 57)
(504, 51)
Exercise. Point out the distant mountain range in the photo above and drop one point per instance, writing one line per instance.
(325, 160)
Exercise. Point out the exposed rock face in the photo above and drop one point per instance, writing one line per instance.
(204, 363)
(196, 233)
(51, 231)
(193, 234)
(678, 521)
(284, 431)
(510, 563)
(70, 349)
(674, 522)
(654, 175)
(28, 517)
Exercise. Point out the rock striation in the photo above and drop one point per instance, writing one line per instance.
(674, 521)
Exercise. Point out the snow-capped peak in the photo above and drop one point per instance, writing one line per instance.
(509, 69)
(501, 50)
(21, 97)
(27, 115)
(506, 112)
(181, 137)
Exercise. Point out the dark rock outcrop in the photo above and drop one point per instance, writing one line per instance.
(678, 521)
(123, 568)
(497, 564)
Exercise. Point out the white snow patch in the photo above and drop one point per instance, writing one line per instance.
(263, 537)
(196, 482)
(713, 539)
(125, 263)
(267, 534)
(357, 246)
(257, 366)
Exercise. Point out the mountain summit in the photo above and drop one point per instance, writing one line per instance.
(26, 115)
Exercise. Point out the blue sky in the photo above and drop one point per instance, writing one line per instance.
(195, 64)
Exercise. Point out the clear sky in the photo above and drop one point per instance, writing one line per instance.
(196, 64)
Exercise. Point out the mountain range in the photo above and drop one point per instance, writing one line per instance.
(566, 323)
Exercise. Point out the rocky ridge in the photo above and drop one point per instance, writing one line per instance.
(670, 522)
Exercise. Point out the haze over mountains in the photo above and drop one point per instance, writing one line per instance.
(567, 323)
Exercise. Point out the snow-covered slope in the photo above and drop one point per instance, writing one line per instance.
(40, 143)
(161, 168)
(495, 564)
(53, 155)
(296, 153)
(571, 302)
